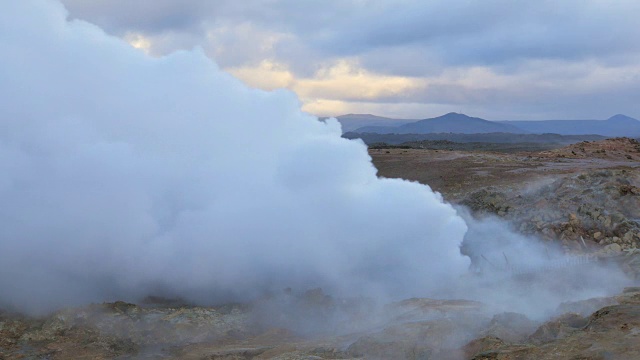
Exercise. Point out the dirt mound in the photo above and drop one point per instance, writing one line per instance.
(615, 148)
(585, 212)
(612, 332)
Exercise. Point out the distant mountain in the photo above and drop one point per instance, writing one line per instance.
(449, 123)
(618, 125)
(351, 122)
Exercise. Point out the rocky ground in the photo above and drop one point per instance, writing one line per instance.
(584, 198)
(410, 329)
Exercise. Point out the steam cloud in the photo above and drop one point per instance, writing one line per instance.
(123, 175)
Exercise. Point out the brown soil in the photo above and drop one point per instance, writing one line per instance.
(457, 173)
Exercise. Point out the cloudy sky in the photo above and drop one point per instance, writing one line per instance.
(498, 59)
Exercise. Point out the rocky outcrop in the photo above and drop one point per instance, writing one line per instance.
(614, 148)
(510, 327)
(612, 332)
(585, 212)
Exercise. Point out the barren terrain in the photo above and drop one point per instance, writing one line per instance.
(456, 173)
(584, 196)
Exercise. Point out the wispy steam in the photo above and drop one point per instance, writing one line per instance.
(528, 275)
(123, 175)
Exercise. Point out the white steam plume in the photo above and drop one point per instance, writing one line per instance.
(528, 275)
(123, 175)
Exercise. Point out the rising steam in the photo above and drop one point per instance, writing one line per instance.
(123, 175)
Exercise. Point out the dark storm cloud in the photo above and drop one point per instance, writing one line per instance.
(145, 15)
(465, 32)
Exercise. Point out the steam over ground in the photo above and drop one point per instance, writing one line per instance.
(123, 175)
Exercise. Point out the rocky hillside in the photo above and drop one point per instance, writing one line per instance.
(591, 207)
(609, 333)
(616, 148)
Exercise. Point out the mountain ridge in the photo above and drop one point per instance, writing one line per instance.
(448, 123)
(614, 126)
